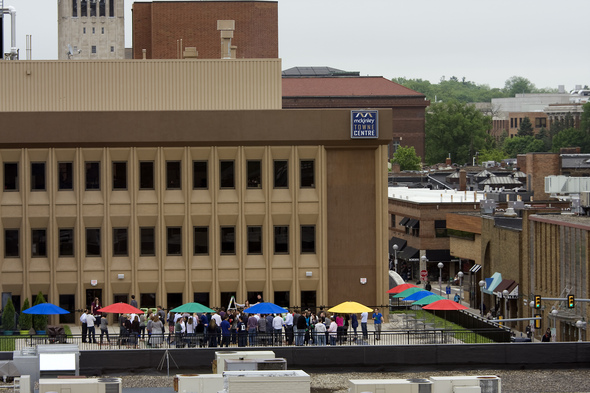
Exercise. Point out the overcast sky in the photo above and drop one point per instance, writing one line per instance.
(546, 41)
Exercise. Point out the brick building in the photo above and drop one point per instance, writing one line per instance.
(538, 120)
(159, 26)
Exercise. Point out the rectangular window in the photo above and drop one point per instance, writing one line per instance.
(93, 242)
(93, 10)
(307, 174)
(281, 173)
(84, 30)
(173, 175)
(93, 49)
(147, 241)
(111, 8)
(120, 242)
(66, 242)
(146, 175)
(174, 241)
(201, 240)
(540, 122)
(101, 10)
(83, 10)
(39, 242)
(119, 175)
(308, 239)
(102, 29)
(66, 176)
(10, 176)
(200, 178)
(37, 176)
(112, 49)
(11, 243)
(281, 239)
(227, 174)
(92, 175)
(228, 240)
(74, 8)
(392, 220)
(440, 228)
(254, 240)
(254, 169)
(93, 30)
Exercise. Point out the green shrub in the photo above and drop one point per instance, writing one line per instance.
(25, 321)
(39, 321)
(8, 316)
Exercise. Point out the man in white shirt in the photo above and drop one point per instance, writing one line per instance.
(90, 320)
(289, 328)
(217, 319)
(277, 325)
(364, 318)
(84, 325)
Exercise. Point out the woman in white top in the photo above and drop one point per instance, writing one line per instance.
(320, 333)
(157, 331)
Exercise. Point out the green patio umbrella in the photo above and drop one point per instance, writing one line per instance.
(192, 308)
(407, 292)
(427, 300)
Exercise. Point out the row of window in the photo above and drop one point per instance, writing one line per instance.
(227, 175)
(93, 8)
(148, 241)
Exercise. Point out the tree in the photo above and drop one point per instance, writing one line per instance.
(407, 159)
(571, 137)
(522, 145)
(518, 85)
(492, 155)
(526, 128)
(39, 321)
(457, 129)
(585, 118)
(546, 137)
(8, 316)
(25, 320)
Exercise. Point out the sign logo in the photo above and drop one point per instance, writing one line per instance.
(364, 124)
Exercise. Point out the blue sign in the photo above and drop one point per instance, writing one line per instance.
(448, 290)
(364, 124)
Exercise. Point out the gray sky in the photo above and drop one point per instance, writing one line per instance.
(487, 42)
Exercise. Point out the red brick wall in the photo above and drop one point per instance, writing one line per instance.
(538, 166)
(158, 26)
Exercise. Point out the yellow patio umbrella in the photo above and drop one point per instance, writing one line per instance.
(350, 308)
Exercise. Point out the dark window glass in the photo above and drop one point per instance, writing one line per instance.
(75, 8)
(201, 298)
(392, 220)
(66, 242)
(146, 175)
(92, 242)
(111, 8)
(200, 178)
(66, 176)
(227, 174)
(228, 240)
(173, 175)
(93, 176)
(201, 240)
(93, 48)
(83, 7)
(92, 7)
(147, 241)
(308, 239)
(39, 243)
(11, 243)
(254, 240)
(147, 300)
(10, 176)
(307, 174)
(254, 169)
(37, 176)
(174, 241)
(101, 8)
(281, 239)
(281, 173)
(120, 242)
(119, 175)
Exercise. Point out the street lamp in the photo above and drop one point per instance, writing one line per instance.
(580, 324)
(460, 274)
(482, 284)
(440, 266)
(554, 314)
(505, 296)
(395, 248)
(424, 260)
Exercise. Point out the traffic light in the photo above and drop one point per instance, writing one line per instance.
(537, 301)
(570, 301)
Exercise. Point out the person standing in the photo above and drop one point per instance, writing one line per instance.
(133, 301)
(277, 325)
(320, 333)
(90, 321)
(354, 322)
(547, 336)
(83, 319)
(95, 307)
(289, 328)
(378, 321)
(364, 318)
(301, 329)
(104, 329)
(225, 331)
(252, 328)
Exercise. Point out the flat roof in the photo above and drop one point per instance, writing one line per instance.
(425, 195)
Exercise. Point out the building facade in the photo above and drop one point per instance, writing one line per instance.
(91, 29)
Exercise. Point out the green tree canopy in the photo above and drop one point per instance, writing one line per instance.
(39, 321)
(25, 320)
(457, 129)
(407, 159)
(571, 137)
(518, 85)
(522, 145)
(526, 128)
(8, 316)
(585, 119)
(491, 155)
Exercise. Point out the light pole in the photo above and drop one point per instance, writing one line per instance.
(580, 324)
(460, 274)
(505, 296)
(482, 284)
(554, 332)
(440, 266)
(424, 260)
(395, 248)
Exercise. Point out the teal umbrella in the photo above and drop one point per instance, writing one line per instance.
(417, 296)
(407, 292)
(427, 300)
(192, 308)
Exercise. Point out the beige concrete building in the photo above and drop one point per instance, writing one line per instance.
(91, 29)
(230, 196)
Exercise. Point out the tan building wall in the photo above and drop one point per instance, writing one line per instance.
(138, 85)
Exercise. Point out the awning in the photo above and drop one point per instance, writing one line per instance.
(404, 221)
(492, 283)
(475, 268)
(510, 285)
(401, 243)
(407, 253)
(438, 255)
(413, 223)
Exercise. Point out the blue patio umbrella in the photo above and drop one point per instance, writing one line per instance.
(265, 308)
(45, 309)
(417, 296)
(427, 300)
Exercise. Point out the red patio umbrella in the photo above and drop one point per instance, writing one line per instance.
(444, 304)
(401, 288)
(121, 308)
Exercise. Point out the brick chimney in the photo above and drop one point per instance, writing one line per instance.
(462, 180)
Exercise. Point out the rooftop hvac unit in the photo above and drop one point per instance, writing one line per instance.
(80, 385)
(255, 364)
(109, 385)
(486, 383)
(585, 199)
(218, 362)
(292, 381)
(389, 386)
(198, 383)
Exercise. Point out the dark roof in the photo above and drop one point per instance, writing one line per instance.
(575, 161)
(317, 71)
(362, 86)
(506, 222)
(438, 255)
(407, 253)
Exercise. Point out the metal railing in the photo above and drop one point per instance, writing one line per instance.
(386, 337)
